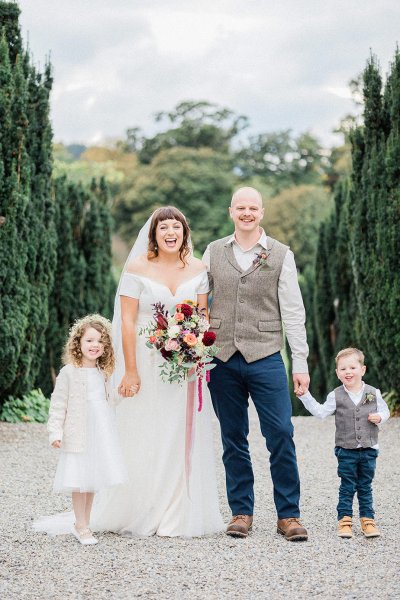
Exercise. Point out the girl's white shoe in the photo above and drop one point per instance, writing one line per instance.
(84, 536)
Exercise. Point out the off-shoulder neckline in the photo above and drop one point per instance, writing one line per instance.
(164, 285)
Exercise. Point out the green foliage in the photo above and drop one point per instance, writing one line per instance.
(192, 165)
(32, 407)
(282, 159)
(392, 399)
(27, 234)
(358, 263)
(83, 282)
(198, 182)
(192, 125)
(93, 163)
(55, 239)
(294, 216)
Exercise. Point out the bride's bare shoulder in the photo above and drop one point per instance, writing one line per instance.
(196, 265)
(138, 265)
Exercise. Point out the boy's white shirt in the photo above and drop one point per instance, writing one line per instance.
(329, 406)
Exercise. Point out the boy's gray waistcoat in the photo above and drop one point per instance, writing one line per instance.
(245, 312)
(352, 425)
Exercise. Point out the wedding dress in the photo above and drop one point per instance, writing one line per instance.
(159, 497)
(162, 496)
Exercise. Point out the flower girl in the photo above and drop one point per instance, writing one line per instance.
(82, 423)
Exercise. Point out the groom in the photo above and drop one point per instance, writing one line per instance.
(254, 290)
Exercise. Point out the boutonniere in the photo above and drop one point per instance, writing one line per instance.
(370, 397)
(261, 258)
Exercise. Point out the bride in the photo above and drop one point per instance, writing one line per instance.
(162, 496)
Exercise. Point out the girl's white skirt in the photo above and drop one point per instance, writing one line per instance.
(101, 464)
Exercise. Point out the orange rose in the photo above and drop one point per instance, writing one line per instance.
(152, 339)
(190, 339)
(159, 332)
(178, 316)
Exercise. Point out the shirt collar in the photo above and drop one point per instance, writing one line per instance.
(355, 393)
(262, 241)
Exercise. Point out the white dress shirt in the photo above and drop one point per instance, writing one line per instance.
(329, 406)
(289, 295)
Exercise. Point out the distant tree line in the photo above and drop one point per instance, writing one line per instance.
(197, 162)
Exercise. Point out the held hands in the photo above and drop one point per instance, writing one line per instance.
(374, 418)
(130, 385)
(301, 382)
(56, 444)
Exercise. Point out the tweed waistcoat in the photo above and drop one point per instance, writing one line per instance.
(245, 312)
(352, 425)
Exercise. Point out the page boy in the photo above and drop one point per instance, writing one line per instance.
(359, 408)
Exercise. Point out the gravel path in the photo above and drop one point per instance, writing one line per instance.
(34, 566)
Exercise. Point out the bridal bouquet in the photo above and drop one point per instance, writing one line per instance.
(183, 340)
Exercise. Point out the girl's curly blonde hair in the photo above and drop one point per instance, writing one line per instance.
(72, 351)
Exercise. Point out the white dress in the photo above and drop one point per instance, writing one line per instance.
(100, 465)
(152, 427)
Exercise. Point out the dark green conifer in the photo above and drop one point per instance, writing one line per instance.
(27, 235)
(360, 274)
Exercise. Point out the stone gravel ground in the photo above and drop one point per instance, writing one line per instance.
(265, 565)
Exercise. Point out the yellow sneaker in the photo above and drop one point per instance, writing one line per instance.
(344, 528)
(369, 528)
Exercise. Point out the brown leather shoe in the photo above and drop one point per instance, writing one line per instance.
(369, 528)
(292, 529)
(240, 526)
(344, 528)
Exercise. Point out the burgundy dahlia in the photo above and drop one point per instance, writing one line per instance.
(165, 353)
(209, 338)
(186, 310)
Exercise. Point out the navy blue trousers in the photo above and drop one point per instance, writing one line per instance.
(356, 469)
(231, 384)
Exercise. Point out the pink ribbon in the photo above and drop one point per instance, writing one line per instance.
(200, 392)
(190, 421)
(191, 389)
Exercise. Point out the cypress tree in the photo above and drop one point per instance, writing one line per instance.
(388, 236)
(55, 238)
(66, 298)
(82, 281)
(14, 198)
(364, 240)
(367, 192)
(27, 237)
(96, 243)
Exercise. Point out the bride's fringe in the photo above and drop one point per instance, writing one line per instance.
(162, 214)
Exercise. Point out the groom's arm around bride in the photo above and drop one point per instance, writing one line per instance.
(254, 290)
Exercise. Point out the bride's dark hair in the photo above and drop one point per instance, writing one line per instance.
(162, 214)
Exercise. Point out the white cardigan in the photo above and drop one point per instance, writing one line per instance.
(67, 413)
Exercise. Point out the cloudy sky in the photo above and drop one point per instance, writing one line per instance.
(284, 64)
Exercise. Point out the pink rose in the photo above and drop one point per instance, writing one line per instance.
(178, 316)
(171, 344)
